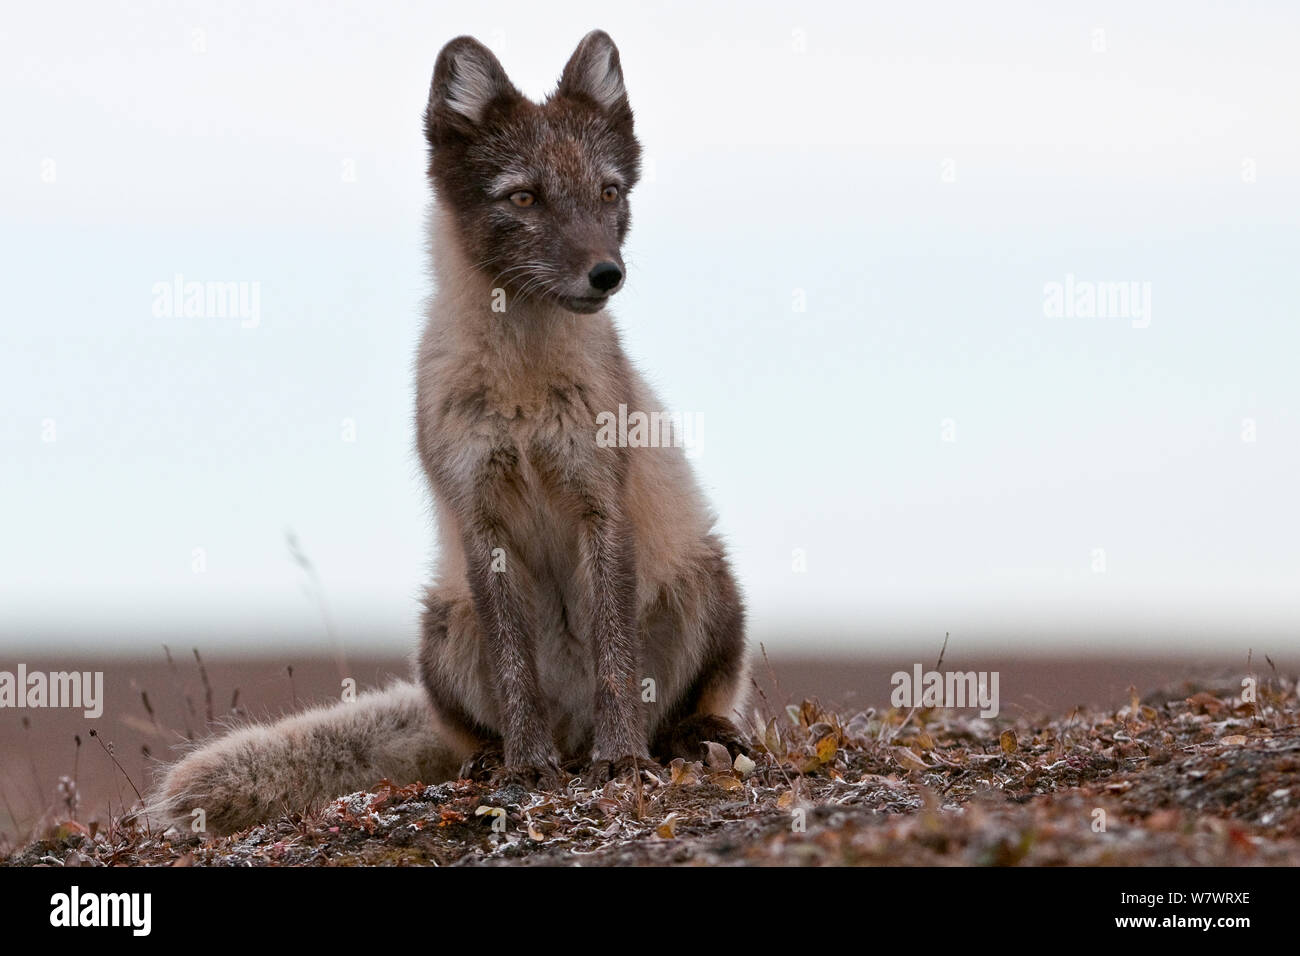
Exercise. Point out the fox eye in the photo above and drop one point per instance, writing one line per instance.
(523, 199)
(609, 194)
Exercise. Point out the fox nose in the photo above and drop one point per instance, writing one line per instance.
(604, 276)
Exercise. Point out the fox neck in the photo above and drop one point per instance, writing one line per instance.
(476, 311)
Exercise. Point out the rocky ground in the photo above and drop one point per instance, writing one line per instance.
(1201, 774)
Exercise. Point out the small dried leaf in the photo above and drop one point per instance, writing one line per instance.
(743, 765)
(1008, 741)
(716, 757)
(726, 781)
(668, 829)
(908, 760)
(826, 748)
(70, 827)
(1236, 740)
(682, 774)
(806, 763)
(772, 739)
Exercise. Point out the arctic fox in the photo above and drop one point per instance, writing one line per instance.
(584, 615)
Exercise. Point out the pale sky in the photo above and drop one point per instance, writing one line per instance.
(837, 264)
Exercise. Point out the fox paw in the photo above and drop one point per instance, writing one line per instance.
(546, 776)
(483, 764)
(600, 772)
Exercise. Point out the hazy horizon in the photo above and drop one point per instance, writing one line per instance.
(842, 262)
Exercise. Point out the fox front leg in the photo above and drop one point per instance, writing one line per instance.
(504, 610)
(608, 557)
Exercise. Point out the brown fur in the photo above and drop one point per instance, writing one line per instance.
(569, 573)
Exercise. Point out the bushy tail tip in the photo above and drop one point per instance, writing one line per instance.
(255, 773)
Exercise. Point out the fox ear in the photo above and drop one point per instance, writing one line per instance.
(594, 72)
(467, 79)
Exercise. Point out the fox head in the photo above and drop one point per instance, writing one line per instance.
(539, 192)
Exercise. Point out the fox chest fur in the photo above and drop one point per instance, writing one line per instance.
(518, 418)
(507, 432)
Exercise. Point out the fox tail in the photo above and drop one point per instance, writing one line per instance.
(255, 773)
